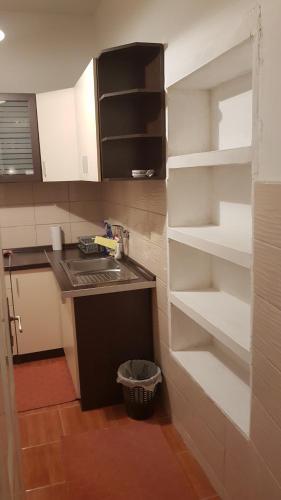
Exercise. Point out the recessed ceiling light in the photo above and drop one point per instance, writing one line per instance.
(2, 35)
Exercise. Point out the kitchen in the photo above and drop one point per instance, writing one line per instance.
(147, 132)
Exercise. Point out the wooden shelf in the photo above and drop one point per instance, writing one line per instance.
(129, 92)
(131, 137)
(224, 316)
(223, 383)
(216, 240)
(132, 110)
(224, 157)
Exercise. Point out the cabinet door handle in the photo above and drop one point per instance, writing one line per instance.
(44, 169)
(18, 319)
(18, 287)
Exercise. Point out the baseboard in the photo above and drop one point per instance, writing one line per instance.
(35, 356)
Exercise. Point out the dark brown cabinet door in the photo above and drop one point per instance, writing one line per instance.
(19, 141)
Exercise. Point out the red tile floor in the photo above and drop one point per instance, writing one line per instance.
(41, 440)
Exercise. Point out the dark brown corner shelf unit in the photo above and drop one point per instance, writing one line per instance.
(132, 110)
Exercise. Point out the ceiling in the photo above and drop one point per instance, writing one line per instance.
(74, 7)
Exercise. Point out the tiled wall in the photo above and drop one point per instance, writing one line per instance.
(240, 468)
(27, 210)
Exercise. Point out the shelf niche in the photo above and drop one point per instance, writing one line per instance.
(211, 109)
(211, 206)
(215, 293)
(218, 372)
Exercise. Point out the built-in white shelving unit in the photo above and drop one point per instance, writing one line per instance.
(210, 227)
(223, 315)
(232, 157)
(216, 240)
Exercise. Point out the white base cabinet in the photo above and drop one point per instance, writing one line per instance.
(36, 301)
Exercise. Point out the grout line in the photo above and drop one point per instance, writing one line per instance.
(41, 444)
(61, 422)
(46, 486)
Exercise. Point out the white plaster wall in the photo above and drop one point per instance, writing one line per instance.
(43, 52)
(270, 84)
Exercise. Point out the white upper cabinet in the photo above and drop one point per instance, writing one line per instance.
(68, 131)
(87, 124)
(58, 135)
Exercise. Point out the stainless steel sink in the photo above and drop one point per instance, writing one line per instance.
(96, 271)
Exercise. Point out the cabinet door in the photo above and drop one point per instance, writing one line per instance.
(36, 301)
(87, 124)
(19, 142)
(10, 304)
(58, 135)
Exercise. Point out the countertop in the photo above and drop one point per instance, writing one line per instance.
(26, 258)
(144, 278)
(42, 257)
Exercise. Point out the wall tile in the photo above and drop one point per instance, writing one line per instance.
(43, 236)
(157, 229)
(151, 256)
(267, 272)
(267, 385)
(138, 223)
(24, 236)
(266, 330)
(52, 213)
(267, 220)
(84, 211)
(206, 409)
(264, 484)
(157, 200)
(138, 195)
(85, 191)
(16, 194)
(238, 478)
(85, 229)
(266, 437)
(210, 448)
(161, 296)
(160, 327)
(47, 192)
(16, 216)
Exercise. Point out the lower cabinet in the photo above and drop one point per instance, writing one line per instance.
(36, 301)
(99, 333)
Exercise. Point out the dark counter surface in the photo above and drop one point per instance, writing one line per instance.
(42, 257)
(145, 278)
(26, 258)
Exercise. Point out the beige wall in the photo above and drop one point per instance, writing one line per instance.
(27, 210)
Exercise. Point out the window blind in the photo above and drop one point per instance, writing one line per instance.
(15, 138)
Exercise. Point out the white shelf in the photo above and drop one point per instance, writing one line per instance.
(224, 157)
(221, 314)
(222, 384)
(216, 240)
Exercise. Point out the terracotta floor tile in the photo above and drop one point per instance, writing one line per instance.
(115, 415)
(74, 421)
(40, 427)
(173, 438)
(55, 492)
(197, 477)
(42, 465)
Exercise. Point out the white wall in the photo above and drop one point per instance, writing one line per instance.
(43, 52)
(270, 83)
